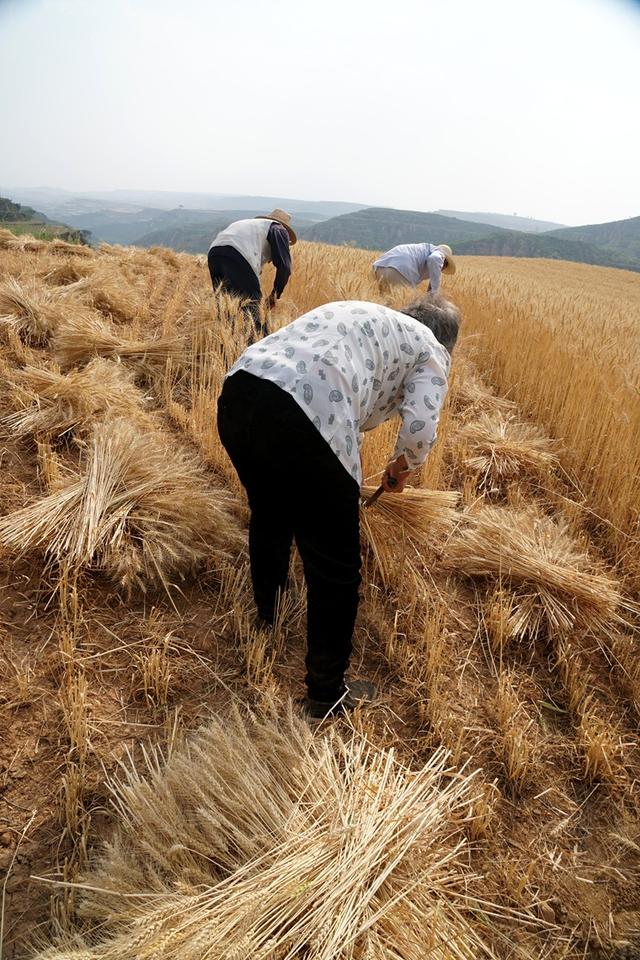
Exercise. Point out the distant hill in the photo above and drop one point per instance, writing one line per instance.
(378, 228)
(381, 228)
(515, 244)
(189, 230)
(20, 219)
(125, 216)
(58, 203)
(620, 237)
(506, 221)
(11, 212)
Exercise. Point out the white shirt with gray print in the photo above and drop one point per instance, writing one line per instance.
(353, 365)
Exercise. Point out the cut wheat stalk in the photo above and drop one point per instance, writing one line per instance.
(399, 526)
(501, 449)
(141, 510)
(470, 397)
(82, 337)
(109, 292)
(53, 403)
(563, 585)
(59, 247)
(258, 839)
(31, 309)
(421, 513)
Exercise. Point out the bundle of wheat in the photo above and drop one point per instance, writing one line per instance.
(423, 514)
(109, 292)
(30, 244)
(32, 310)
(70, 249)
(556, 583)
(82, 337)
(470, 397)
(7, 239)
(500, 449)
(170, 257)
(69, 272)
(52, 403)
(257, 839)
(417, 517)
(142, 510)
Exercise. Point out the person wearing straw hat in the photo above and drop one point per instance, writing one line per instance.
(291, 416)
(239, 252)
(409, 264)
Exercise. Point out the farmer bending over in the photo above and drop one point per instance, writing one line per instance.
(410, 263)
(238, 254)
(291, 416)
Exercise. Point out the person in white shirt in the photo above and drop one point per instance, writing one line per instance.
(291, 416)
(239, 252)
(409, 264)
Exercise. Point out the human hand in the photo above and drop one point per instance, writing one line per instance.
(395, 475)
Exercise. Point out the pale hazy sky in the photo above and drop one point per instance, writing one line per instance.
(488, 105)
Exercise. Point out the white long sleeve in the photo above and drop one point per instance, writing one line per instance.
(352, 365)
(435, 263)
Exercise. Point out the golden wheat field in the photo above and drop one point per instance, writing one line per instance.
(161, 795)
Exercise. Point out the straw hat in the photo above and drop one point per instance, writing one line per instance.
(448, 252)
(282, 217)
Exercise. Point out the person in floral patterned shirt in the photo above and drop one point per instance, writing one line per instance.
(291, 416)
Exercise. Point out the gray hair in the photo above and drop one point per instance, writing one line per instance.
(440, 315)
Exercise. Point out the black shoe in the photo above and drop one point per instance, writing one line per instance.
(357, 693)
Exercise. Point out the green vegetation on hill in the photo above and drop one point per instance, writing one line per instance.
(621, 237)
(20, 220)
(515, 244)
(11, 212)
(378, 228)
(381, 228)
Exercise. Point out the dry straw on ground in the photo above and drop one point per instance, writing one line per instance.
(257, 839)
(423, 518)
(31, 309)
(500, 450)
(52, 403)
(141, 510)
(564, 587)
(82, 337)
(470, 397)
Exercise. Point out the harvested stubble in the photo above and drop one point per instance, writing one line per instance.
(515, 745)
(257, 839)
(500, 450)
(601, 744)
(82, 337)
(31, 309)
(52, 403)
(142, 510)
(556, 584)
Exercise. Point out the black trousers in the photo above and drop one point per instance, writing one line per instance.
(297, 489)
(233, 274)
